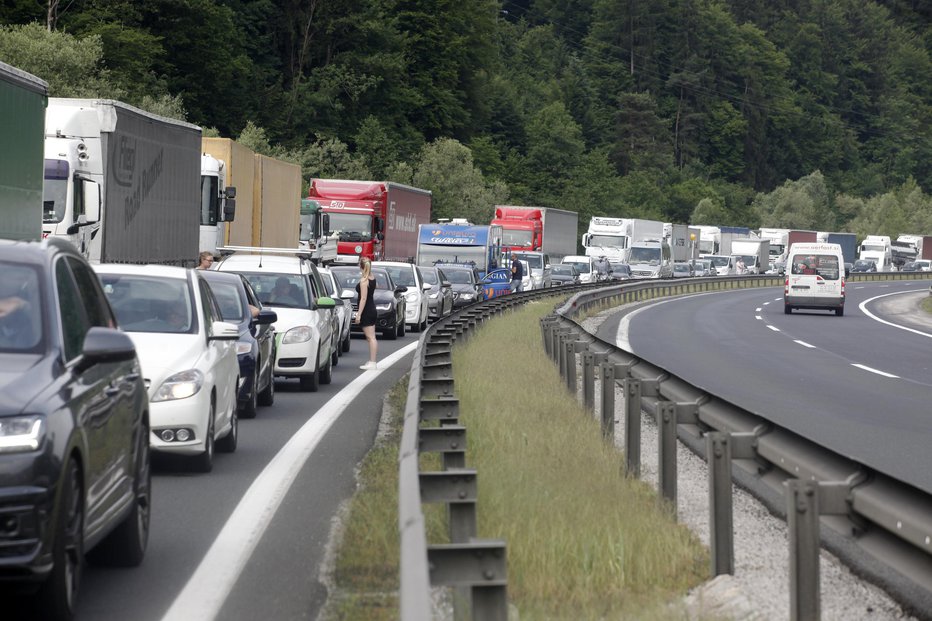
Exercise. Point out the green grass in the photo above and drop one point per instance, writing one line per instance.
(926, 304)
(584, 542)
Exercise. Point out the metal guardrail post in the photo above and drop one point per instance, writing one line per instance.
(569, 364)
(802, 516)
(721, 447)
(479, 566)
(607, 374)
(666, 434)
(588, 369)
(632, 388)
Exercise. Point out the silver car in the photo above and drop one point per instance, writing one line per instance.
(344, 310)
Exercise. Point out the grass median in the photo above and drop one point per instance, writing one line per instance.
(584, 542)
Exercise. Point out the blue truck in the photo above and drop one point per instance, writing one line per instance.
(478, 246)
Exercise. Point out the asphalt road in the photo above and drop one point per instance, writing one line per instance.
(279, 577)
(859, 384)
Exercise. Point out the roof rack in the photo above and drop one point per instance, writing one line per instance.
(304, 253)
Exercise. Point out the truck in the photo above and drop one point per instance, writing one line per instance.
(237, 163)
(538, 229)
(877, 248)
(478, 246)
(276, 203)
(795, 236)
(374, 219)
(121, 184)
(684, 242)
(315, 234)
(23, 98)
(608, 237)
(709, 237)
(777, 239)
(218, 203)
(847, 241)
(754, 252)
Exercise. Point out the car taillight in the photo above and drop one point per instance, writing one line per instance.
(842, 287)
(786, 285)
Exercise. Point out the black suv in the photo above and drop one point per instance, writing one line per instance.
(74, 431)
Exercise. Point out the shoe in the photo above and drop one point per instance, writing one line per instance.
(369, 366)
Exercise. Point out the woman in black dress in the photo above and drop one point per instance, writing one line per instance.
(366, 315)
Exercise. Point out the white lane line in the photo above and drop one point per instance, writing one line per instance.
(758, 317)
(863, 307)
(866, 368)
(766, 303)
(207, 589)
(621, 335)
(758, 309)
(805, 344)
(774, 328)
(777, 299)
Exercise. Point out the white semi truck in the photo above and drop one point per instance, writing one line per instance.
(121, 184)
(613, 237)
(877, 248)
(218, 203)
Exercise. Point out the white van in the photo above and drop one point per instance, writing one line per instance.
(815, 278)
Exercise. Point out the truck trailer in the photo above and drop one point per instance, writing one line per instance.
(121, 184)
(276, 203)
(374, 219)
(23, 98)
(538, 229)
(684, 242)
(238, 165)
(754, 252)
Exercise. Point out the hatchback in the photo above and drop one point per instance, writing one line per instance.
(440, 296)
(389, 299)
(74, 427)
(416, 297)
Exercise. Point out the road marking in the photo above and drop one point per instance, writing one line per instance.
(207, 589)
(766, 303)
(758, 317)
(805, 344)
(758, 309)
(621, 335)
(863, 307)
(866, 368)
(777, 299)
(774, 328)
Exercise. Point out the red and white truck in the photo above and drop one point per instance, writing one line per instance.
(537, 229)
(374, 219)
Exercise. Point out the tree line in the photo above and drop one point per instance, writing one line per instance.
(813, 114)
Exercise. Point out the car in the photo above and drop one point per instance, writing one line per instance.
(255, 348)
(620, 271)
(389, 299)
(564, 274)
(540, 268)
(464, 280)
(721, 264)
(584, 265)
(74, 428)
(416, 297)
(911, 266)
(527, 282)
(683, 270)
(307, 330)
(187, 353)
(344, 308)
(925, 265)
(863, 265)
(497, 282)
(702, 267)
(440, 295)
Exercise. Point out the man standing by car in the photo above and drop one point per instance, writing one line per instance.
(517, 274)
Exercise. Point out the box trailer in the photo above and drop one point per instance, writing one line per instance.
(276, 215)
(239, 165)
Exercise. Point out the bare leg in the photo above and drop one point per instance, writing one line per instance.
(369, 331)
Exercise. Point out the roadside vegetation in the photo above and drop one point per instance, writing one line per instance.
(926, 305)
(584, 542)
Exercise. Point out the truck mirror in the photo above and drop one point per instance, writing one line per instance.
(229, 209)
(379, 224)
(325, 225)
(230, 192)
(91, 200)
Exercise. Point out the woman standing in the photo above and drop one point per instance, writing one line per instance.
(366, 315)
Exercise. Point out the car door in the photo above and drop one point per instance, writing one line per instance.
(219, 357)
(264, 334)
(326, 317)
(422, 295)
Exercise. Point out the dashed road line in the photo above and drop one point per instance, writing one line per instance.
(758, 317)
(774, 328)
(877, 371)
(758, 309)
(805, 344)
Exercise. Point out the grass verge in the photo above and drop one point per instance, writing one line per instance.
(584, 542)
(926, 305)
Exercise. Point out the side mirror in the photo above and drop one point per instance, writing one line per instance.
(325, 225)
(223, 331)
(91, 201)
(426, 286)
(847, 273)
(325, 302)
(230, 191)
(266, 317)
(229, 209)
(105, 345)
(379, 225)
(400, 289)
(347, 294)
(446, 284)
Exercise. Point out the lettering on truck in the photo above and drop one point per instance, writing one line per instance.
(149, 176)
(407, 222)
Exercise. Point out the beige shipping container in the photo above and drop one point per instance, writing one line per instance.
(240, 162)
(277, 195)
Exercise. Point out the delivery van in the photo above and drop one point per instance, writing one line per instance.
(815, 278)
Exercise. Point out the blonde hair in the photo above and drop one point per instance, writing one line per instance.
(366, 266)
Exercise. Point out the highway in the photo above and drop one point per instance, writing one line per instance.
(859, 384)
(185, 576)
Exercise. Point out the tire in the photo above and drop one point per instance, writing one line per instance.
(840, 311)
(312, 382)
(392, 333)
(58, 595)
(205, 461)
(334, 355)
(787, 310)
(126, 545)
(248, 409)
(267, 396)
(227, 444)
(423, 325)
(345, 345)
(326, 374)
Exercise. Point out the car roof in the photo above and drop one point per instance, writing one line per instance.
(161, 271)
(34, 252)
(392, 264)
(214, 275)
(274, 263)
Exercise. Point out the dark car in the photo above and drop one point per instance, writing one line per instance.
(440, 296)
(620, 271)
(564, 274)
(864, 265)
(255, 348)
(464, 281)
(911, 266)
(74, 455)
(389, 299)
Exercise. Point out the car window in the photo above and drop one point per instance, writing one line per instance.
(74, 323)
(381, 280)
(21, 309)
(430, 276)
(402, 276)
(824, 265)
(92, 296)
(346, 278)
(145, 303)
(327, 279)
(458, 276)
(251, 297)
(230, 301)
(210, 306)
(285, 290)
(317, 285)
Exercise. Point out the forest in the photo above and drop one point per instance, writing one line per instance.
(811, 114)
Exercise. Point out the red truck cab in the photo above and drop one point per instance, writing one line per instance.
(522, 227)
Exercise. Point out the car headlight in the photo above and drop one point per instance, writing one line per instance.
(180, 386)
(243, 347)
(21, 434)
(467, 296)
(411, 297)
(537, 277)
(300, 334)
(433, 296)
(383, 307)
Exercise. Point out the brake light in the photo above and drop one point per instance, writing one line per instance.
(786, 286)
(842, 287)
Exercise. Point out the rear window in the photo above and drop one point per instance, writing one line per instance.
(824, 265)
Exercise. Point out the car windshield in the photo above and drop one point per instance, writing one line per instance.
(381, 280)
(462, 277)
(430, 276)
(55, 190)
(284, 290)
(403, 276)
(719, 261)
(645, 255)
(824, 265)
(620, 268)
(534, 260)
(863, 263)
(681, 268)
(230, 301)
(21, 309)
(151, 303)
(608, 241)
(582, 268)
(516, 238)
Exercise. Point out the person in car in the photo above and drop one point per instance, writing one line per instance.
(282, 293)
(366, 315)
(16, 329)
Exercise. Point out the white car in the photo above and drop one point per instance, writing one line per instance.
(344, 307)
(187, 354)
(307, 331)
(416, 297)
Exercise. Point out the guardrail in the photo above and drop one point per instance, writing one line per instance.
(743, 445)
